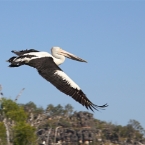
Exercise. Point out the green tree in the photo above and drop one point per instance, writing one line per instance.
(127, 131)
(136, 125)
(30, 106)
(24, 134)
(8, 105)
(68, 110)
(3, 137)
(21, 132)
(12, 110)
(55, 111)
(17, 115)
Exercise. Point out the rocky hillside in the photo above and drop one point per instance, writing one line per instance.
(27, 124)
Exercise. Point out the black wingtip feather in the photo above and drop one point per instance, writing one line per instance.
(13, 65)
(102, 106)
(82, 99)
(13, 51)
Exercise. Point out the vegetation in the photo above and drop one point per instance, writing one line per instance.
(27, 124)
(13, 111)
(13, 117)
(23, 134)
(59, 110)
(3, 140)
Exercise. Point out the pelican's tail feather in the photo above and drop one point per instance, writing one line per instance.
(14, 63)
(11, 59)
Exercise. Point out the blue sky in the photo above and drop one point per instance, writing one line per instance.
(109, 35)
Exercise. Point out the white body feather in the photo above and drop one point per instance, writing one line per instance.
(36, 56)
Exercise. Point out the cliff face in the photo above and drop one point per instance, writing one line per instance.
(78, 128)
(82, 128)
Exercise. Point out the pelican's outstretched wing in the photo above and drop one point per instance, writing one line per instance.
(52, 73)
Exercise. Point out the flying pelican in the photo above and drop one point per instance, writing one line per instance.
(47, 66)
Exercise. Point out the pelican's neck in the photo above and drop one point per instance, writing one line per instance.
(59, 59)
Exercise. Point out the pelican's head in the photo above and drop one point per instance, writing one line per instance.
(57, 51)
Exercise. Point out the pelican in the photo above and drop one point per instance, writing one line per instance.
(47, 66)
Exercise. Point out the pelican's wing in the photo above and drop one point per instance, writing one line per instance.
(52, 73)
(19, 53)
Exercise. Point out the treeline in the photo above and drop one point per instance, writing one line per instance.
(27, 124)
